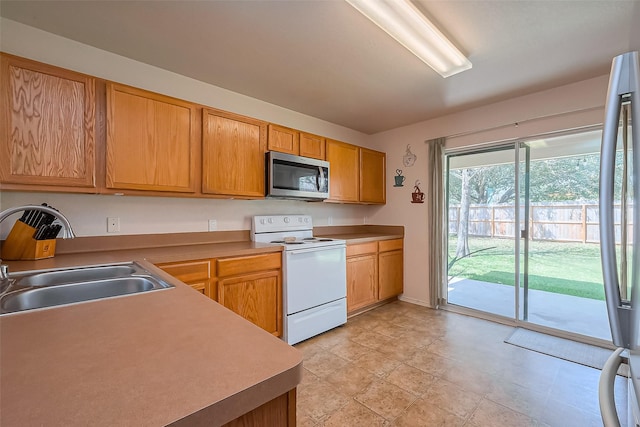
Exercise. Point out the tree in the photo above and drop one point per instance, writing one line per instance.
(462, 249)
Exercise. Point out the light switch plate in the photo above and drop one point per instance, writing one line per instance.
(213, 225)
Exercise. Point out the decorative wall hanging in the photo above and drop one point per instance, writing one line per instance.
(417, 196)
(399, 178)
(409, 158)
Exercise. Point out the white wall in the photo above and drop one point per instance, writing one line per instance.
(88, 213)
(145, 215)
(567, 107)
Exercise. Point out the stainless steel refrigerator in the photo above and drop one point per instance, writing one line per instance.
(619, 237)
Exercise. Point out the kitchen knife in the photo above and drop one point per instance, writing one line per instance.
(38, 234)
(30, 216)
(53, 231)
(50, 219)
(38, 220)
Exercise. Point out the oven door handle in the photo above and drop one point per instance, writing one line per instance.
(322, 248)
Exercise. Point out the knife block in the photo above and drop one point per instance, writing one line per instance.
(20, 244)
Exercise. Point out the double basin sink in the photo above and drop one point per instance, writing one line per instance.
(41, 289)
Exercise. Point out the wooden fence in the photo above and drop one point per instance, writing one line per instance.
(560, 222)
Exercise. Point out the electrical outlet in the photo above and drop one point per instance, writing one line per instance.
(113, 225)
(213, 225)
(330, 220)
(365, 220)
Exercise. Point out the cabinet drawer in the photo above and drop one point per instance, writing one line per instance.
(200, 287)
(363, 248)
(191, 271)
(249, 264)
(389, 245)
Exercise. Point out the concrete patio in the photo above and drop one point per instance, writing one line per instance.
(569, 313)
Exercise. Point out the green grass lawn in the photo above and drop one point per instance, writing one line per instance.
(565, 268)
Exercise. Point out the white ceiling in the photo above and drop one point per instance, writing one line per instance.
(324, 59)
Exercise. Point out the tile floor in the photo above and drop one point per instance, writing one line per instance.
(406, 365)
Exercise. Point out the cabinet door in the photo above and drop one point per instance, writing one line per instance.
(390, 267)
(257, 297)
(233, 154)
(343, 171)
(312, 146)
(47, 123)
(284, 140)
(372, 176)
(362, 281)
(151, 141)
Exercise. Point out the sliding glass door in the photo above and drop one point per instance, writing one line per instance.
(481, 195)
(523, 233)
(564, 289)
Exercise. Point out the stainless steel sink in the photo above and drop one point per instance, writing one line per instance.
(55, 277)
(36, 290)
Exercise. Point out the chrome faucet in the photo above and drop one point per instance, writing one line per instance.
(67, 231)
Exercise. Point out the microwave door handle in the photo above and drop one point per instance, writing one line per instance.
(319, 177)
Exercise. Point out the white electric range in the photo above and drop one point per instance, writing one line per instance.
(314, 275)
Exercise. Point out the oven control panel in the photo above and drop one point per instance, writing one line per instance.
(272, 223)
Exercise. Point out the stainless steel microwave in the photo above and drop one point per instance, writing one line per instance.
(296, 177)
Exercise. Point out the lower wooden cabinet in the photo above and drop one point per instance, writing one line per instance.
(362, 275)
(250, 286)
(256, 297)
(197, 274)
(279, 412)
(374, 273)
(390, 266)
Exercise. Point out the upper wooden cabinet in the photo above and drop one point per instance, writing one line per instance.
(343, 171)
(47, 126)
(152, 141)
(356, 174)
(233, 149)
(313, 146)
(284, 140)
(372, 176)
(291, 141)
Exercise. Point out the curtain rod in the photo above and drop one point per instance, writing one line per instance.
(532, 119)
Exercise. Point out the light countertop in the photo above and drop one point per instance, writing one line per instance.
(147, 359)
(156, 358)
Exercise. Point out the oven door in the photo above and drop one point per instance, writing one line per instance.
(297, 177)
(314, 276)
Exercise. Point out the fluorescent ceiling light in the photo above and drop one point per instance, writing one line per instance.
(404, 22)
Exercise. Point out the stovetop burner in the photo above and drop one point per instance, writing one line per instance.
(301, 242)
(288, 242)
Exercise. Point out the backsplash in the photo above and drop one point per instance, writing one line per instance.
(149, 215)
